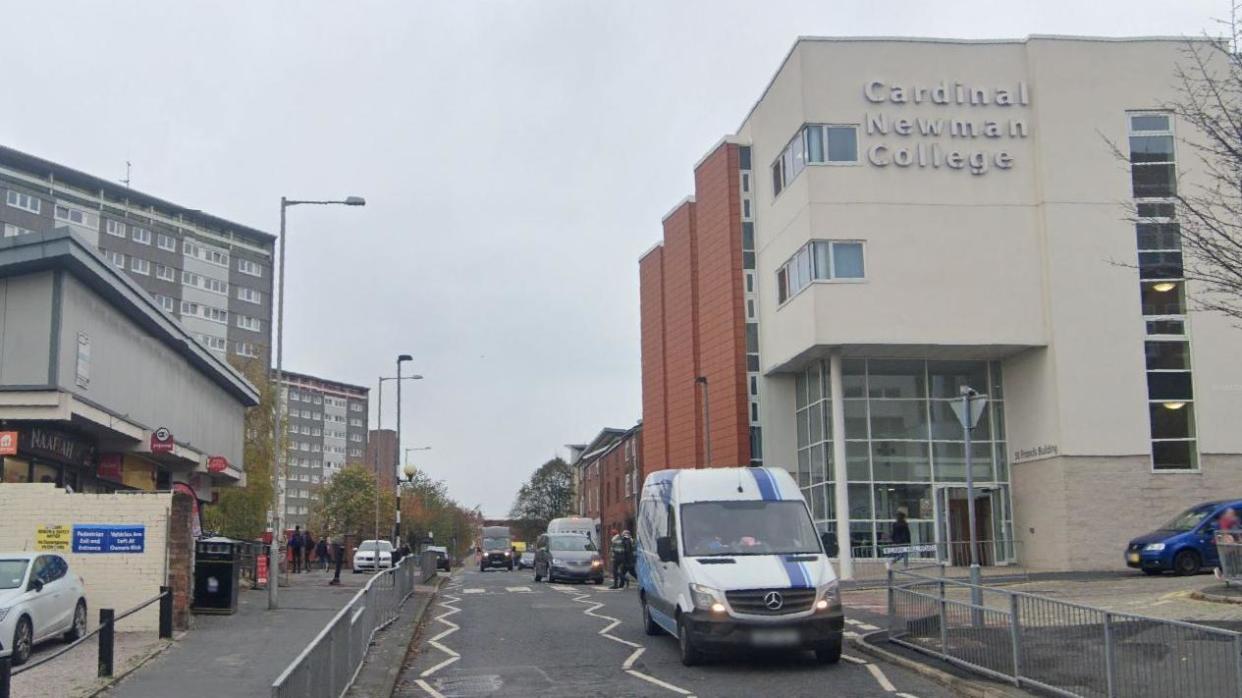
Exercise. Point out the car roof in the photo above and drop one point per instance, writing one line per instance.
(21, 556)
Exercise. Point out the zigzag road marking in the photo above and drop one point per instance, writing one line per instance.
(628, 664)
(435, 641)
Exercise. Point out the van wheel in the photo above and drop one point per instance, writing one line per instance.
(690, 655)
(649, 625)
(829, 652)
(1186, 563)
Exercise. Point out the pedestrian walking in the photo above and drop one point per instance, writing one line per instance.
(308, 549)
(338, 554)
(321, 554)
(295, 549)
(614, 555)
(631, 556)
(900, 536)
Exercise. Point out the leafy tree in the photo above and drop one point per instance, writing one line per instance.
(426, 507)
(242, 512)
(345, 505)
(547, 495)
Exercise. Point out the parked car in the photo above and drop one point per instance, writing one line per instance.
(729, 558)
(527, 560)
(373, 555)
(567, 556)
(442, 557)
(1184, 545)
(40, 598)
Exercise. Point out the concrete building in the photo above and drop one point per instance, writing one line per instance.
(327, 423)
(212, 274)
(898, 218)
(100, 390)
(382, 456)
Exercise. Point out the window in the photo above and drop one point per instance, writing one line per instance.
(140, 266)
(246, 266)
(249, 295)
(141, 236)
(77, 216)
(117, 259)
(246, 322)
(213, 343)
(820, 260)
(189, 278)
(168, 304)
(164, 273)
(12, 231)
(189, 248)
(24, 201)
(215, 286)
(217, 257)
(247, 349)
(114, 228)
(1152, 168)
(166, 242)
(815, 144)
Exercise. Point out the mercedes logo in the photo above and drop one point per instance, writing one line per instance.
(773, 600)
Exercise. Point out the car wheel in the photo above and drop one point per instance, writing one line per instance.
(829, 652)
(690, 655)
(649, 625)
(23, 641)
(79, 622)
(1151, 573)
(1186, 563)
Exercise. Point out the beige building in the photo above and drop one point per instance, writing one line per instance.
(932, 214)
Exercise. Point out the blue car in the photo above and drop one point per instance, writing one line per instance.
(1184, 545)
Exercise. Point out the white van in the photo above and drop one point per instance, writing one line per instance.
(575, 524)
(729, 558)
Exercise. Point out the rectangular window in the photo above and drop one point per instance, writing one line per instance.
(842, 143)
(24, 201)
(141, 236)
(168, 304)
(246, 266)
(249, 295)
(12, 231)
(820, 260)
(117, 259)
(77, 216)
(1153, 171)
(1163, 298)
(247, 350)
(164, 273)
(140, 266)
(166, 242)
(246, 322)
(189, 278)
(114, 228)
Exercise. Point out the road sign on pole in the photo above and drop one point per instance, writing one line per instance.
(977, 404)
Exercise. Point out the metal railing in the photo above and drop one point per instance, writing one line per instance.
(1066, 648)
(1229, 548)
(330, 663)
(106, 631)
(1001, 551)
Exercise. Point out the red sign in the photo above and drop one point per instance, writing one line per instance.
(162, 441)
(110, 466)
(261, 573)
(8, 443)
(217, 464)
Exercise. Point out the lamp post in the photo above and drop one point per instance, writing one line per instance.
(707, 421)
(408, 470)
(968, 412)
(278, 441)
(379, 421)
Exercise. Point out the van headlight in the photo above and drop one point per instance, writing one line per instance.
(706, 598)
(1154, 547)
(829, 595)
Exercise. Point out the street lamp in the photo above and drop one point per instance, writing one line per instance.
(278, 450)
(379, 419)
(408, 470)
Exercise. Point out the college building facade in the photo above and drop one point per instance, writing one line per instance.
(899, 219)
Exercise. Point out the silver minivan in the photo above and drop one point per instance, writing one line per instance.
(567, 556)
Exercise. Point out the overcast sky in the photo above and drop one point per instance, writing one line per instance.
(516, 158)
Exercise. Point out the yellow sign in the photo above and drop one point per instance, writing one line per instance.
(52, 538)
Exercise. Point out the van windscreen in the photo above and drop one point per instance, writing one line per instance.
(747, 528)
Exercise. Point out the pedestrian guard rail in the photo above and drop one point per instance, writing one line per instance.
(1229, 548)
(871, 562)
(1065, 648)
(329, 664)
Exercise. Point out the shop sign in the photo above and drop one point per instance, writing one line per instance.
(54, 538)
(217, 464)
(8, 443)
(162, 441)
(108, 538)
(110, 467)
(58, 445)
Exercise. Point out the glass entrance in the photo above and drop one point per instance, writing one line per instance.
(953, 525)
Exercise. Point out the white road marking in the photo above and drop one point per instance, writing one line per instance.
(868, 628)
(852, 659)
(452, 628)
(881, 679)
(430, 691)
(473, 590)
(658, 682)
(629, 662)
(517, 589)
(851, 635)
(907, 695)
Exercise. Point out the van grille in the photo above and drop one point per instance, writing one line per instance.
(752, 601)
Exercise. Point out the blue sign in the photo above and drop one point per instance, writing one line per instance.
(106, 538)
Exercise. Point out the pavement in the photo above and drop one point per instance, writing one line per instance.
(240, 655)
(382, 666)
(499, 633)
(73, 674)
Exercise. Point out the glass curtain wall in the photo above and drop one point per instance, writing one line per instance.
(903, 446)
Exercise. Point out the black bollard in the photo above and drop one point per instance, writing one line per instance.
(6, 676)
(166, 613)
(107, 638)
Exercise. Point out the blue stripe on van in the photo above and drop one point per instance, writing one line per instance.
(767, 486)
(798, 576)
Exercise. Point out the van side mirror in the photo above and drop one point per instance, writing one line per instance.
(830, 544)
(665, 550)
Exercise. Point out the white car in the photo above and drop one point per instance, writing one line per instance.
(373, 555)
(39, 599)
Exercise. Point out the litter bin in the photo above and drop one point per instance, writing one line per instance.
(217, 575)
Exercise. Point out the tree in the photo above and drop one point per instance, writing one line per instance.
(345, 505)
(1208, 214)
(242, 512)
(547, 495)
(426, 507)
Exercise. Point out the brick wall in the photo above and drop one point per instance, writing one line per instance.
(181, 558)
(720, 317)
(113, 580)
(655, 405)
(684, 408)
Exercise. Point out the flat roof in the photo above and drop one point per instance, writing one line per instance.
(63, 250)
(91, 184)
(325, 382)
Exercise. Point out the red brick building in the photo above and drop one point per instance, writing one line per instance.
(699, 333)
(610, 474)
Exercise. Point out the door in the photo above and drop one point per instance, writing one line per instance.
(953, 525)
(42, 604)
